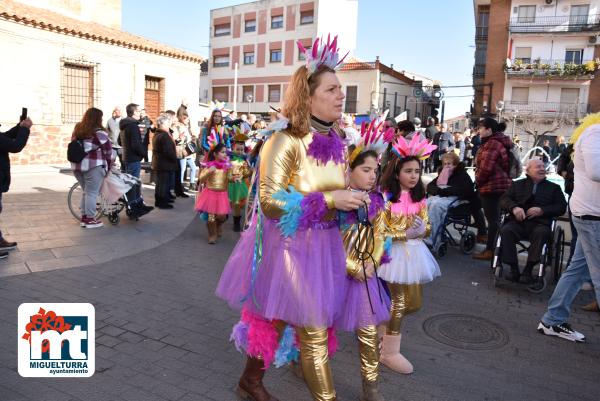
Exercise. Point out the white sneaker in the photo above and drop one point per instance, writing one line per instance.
(562, 330)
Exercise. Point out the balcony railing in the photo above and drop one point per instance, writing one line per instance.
(551, 68)
(546, 109)
(478, 71)
(565, 23)
(481, 32)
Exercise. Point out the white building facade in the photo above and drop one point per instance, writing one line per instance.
(373, 87)
(260, 38)
(552, 57)
(62, 65)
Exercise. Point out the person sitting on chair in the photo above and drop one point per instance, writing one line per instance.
(533, 203)
(452, 183)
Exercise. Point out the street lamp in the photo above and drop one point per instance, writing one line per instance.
(249, 99)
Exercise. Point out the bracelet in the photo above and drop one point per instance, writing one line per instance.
(329, 200)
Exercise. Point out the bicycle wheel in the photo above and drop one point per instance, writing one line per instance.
(74, 202)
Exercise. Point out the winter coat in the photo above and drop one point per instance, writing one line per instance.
(459, 185)
(11, 141)
(548, 196)
(492, 165)
(164, 157)
(130, 139)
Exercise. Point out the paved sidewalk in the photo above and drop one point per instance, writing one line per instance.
(163, 335)
(36, 215)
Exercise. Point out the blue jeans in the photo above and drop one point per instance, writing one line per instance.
(134, 196)
(192, 164)
(585, 265)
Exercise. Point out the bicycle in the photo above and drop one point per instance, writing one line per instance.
(103, 207)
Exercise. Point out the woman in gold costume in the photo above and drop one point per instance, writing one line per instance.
(287, 273)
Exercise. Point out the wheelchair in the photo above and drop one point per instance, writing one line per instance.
(551, 258)
(459, 217)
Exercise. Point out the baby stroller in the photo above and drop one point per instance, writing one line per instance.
(111, 200)
(459, 217)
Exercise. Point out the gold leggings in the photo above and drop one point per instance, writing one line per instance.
(406, 299)
(217, 218)
(368, 347)
(314, 360)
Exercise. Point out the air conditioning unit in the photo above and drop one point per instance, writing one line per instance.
(594, 40)
(550, 2)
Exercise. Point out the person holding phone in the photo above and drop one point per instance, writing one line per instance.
(11, 141)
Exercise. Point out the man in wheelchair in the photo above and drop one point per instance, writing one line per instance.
(532, 204)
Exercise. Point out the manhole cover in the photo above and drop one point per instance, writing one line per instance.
(465, 332)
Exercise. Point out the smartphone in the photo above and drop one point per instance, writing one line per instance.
(23, 114)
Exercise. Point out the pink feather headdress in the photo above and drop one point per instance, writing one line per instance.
(373, 136)
(322, 53)
(416, 147)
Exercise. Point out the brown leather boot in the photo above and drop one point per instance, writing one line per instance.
(591, 307)
(250, 386)
(220, 221)
(212, 231)
(488, 254)
(7, 246)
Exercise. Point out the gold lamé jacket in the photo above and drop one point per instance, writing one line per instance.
(394, 226)
(284, 162)
(217, 180)
(240, 168)
(357, 244)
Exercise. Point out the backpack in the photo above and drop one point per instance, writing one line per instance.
(75, 151)
(515, 168)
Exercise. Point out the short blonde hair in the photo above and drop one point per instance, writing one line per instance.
(451, 157)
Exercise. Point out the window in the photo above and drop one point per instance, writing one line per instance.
(78, 89)
(520, 95)
(221, 93)
(526, 14)
(275, 56)
(274, 93)
(248, 58)
(307, 17)
(301, 56)
(250, 25)
(221, 61)
(523, 54)
(569, 100)
(247, 93)
(574, 56)
(351, 99)
(579, 14)
(277, 22)
(222, 30)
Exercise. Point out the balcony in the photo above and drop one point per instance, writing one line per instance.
(546, 109)
(567, 23)
(481, 32)
(478, 71)
(546, 69)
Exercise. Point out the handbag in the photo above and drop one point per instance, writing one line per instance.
(190, 148)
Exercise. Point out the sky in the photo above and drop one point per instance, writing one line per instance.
(434, 38)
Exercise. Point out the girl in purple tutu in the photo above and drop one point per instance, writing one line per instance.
(287, 272)
(214, 199)
(366, 304)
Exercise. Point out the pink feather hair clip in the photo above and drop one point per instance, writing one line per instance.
(417, 147)
(322, 53)
(372, 137)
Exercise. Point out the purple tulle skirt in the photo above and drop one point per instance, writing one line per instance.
(356, 312)
(301, 280)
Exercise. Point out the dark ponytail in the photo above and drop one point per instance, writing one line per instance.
(490, 123)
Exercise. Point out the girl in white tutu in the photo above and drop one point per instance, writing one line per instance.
(404, 224)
